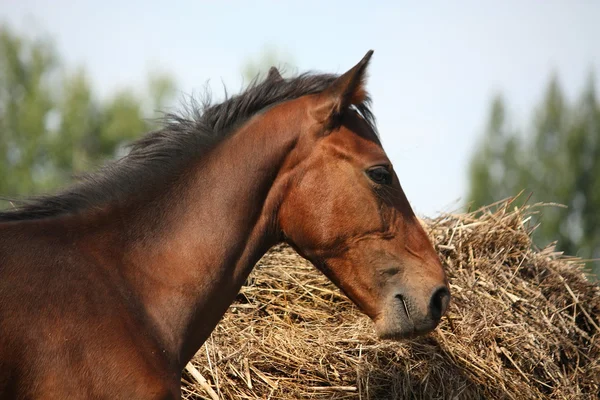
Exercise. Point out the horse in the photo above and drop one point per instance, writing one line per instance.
(110, 286)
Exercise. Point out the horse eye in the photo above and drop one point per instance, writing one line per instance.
(380, 175)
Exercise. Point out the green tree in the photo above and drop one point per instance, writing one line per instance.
(496, 168)
(558, 161)
(26, 68)
(53, 126)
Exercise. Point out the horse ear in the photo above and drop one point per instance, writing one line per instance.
(274, 75)
(346, 90)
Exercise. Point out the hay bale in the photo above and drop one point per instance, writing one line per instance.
(523, 324)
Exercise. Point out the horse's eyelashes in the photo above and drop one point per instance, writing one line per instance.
(380, 175)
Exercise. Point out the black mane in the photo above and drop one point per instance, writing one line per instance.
(161, 153)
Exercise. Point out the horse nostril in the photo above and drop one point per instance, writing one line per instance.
(401, 299)
(439, 303)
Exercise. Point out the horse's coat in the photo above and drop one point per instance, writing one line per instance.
(109, 288)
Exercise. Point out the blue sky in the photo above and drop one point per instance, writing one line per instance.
(436, 64)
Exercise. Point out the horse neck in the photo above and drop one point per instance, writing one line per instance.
(214, 225)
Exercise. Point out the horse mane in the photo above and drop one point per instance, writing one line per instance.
(162, 153)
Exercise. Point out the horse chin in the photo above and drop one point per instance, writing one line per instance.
(398, 331)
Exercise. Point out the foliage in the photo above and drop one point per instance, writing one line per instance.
(558, 161)
(52, 124)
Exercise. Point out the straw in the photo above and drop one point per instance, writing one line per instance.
(522, 324)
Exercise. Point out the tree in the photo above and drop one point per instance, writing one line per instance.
(558, 161)
(496, 168)
(26, 68)
(51, 124)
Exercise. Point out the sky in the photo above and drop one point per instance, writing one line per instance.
(436, 66)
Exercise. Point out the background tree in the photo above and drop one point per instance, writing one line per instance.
(26, 69)
(51, 123)
(53, 126)
(557, 161)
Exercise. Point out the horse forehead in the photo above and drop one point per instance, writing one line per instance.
(358, 139)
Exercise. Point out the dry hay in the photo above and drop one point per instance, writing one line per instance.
(523, 324)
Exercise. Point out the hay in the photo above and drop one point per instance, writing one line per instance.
(523, 324)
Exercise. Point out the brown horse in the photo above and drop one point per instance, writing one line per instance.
(108, 289)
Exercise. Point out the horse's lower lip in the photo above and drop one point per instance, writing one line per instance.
(403, 334)
(397, 324)
(397, 336)
(397, 330)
